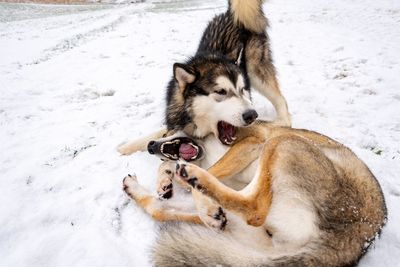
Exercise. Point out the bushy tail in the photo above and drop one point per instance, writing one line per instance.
(249, 13)
(192, 245)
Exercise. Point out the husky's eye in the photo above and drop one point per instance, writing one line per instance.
(221, 92)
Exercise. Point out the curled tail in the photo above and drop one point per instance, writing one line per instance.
(249, 13)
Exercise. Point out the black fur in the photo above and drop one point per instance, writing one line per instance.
(219, 49)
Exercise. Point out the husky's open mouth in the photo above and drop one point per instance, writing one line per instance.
(181, 147)
(226, 133)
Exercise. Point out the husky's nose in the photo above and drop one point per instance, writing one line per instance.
(152, 147)
(249, 116)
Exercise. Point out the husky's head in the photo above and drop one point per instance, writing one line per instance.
(209, 95)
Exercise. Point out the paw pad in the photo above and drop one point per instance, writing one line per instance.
(167, 192)
(221, 216)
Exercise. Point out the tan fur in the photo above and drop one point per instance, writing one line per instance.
(224, 168)
(313, 171)
(155, 207)
(249, 13)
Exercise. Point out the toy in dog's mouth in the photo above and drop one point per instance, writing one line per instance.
(181, 147)
(226, 133)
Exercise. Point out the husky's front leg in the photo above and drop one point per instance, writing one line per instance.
(156, 208)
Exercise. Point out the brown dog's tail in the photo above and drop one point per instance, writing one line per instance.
(195, 245)
(249, 13)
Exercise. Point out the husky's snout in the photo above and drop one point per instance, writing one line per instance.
(249, 116)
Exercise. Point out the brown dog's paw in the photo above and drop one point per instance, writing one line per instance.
(129, 181)
(220, 217)
(215, 218)
(184, 172)
(165, 188)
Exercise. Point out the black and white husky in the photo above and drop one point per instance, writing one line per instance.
(233, 56)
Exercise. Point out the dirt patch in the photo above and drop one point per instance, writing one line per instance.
(63, 2)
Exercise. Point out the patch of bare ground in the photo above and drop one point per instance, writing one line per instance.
(61, 2)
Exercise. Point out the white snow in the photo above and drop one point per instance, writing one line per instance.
(75, 82)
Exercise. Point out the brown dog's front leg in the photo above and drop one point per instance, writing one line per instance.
(252, 204)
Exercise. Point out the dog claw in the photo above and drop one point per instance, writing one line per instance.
(220, 216)
(181, 170)
(216, 219)
(166, 192)
(166, 187)
(129, 181)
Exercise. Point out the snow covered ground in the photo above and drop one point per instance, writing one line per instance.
(77, 81)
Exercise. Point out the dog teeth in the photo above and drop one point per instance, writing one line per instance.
(228, 142)
(195, 147)
(233, 138)
(170, 156)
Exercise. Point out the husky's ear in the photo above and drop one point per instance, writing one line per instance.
(183, 75)
(239, 57)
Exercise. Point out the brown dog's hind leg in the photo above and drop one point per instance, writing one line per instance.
(210, 212)
(253, 202)
(252, 208)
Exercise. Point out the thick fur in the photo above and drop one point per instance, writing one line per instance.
(234, 44)
(327, 208)
(249, 13)
(236, 37)
(311, 202)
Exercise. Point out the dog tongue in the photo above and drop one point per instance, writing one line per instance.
(187, 151)
(229, 132)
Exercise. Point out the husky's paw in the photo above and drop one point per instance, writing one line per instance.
(215, 218)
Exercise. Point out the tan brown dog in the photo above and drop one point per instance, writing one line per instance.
(312, 202)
